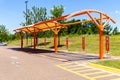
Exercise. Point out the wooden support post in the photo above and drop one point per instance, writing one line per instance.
(26, 40)
(56, 31)
(21, 38)
(34, 41)
(56, 42)
(101, 52)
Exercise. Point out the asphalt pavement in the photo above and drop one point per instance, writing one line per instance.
(29, 64)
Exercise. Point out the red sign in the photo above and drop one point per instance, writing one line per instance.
(107, 43)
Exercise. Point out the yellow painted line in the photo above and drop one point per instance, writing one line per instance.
(116, 79)
(85, 70)
(101, 76)
(68, 64)
(78, 68)
(72, 66)
(74, 72)
(105, 68)
(78, 63)
(93, 73)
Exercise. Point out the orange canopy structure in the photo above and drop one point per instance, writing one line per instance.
(56, 27)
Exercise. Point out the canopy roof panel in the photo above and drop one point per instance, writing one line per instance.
(39, 27)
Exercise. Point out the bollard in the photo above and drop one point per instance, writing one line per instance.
(83, 43)
(66, 43)
(45, 42)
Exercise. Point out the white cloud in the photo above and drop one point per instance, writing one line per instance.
(117, 12)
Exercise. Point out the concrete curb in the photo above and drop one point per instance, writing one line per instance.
(104, 67)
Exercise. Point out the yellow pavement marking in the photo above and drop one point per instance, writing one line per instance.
(77, 68)
(74, 72)
(78, 63)
(116, 79)
(93, 73)
(66, 63)
(105, 67)
(74, 69)
(72, 66)
(86, 70)
(102, 76)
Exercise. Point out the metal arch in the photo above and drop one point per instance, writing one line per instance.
(86, 11)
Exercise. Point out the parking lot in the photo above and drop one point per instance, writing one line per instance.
(27, 64)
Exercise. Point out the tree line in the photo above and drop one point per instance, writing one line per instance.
(36, 14)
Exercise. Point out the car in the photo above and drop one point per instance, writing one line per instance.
(3, 44)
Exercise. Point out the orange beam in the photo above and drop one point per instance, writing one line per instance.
(54, 19)
(93, 19)
(79, 22)
(106, 22)
(28, 30)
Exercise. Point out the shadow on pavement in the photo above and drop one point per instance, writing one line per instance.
(52, 47)
(67, 56)
(32, 51)
(72, 56)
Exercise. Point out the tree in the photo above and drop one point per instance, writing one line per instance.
(107, 29)
(115, 31)
(57, 11)
(35, 15)
(3, 33)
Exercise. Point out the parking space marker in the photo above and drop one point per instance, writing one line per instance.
(74, 72)
(93, 73)
(102, 76)
(83, 68)
(85, 71)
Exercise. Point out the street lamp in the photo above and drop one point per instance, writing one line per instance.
(26, 2)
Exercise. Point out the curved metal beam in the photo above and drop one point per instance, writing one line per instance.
(86, 11)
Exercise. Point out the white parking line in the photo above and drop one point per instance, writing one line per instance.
(14, 57)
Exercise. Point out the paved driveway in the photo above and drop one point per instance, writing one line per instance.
(27, 64)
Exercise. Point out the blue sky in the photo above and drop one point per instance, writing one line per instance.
(11, 11)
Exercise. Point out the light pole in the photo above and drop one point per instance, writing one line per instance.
(26, 2)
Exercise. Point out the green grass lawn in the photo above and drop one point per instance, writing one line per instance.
(92, 43)
(110, 63)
